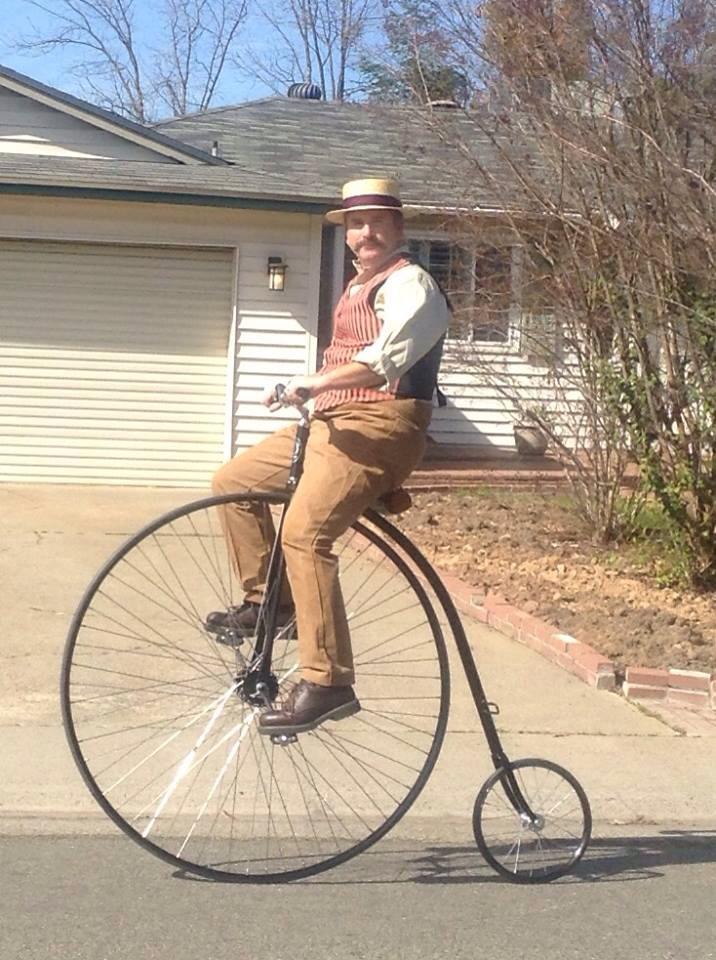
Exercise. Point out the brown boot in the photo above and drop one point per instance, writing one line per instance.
(230, 626)
(307, 706)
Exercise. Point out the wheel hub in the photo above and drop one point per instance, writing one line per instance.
(258, 689)
(536, 825)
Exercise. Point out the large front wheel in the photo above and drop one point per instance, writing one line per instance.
(158, 720)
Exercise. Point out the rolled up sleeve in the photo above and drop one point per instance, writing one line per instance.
(414, 317)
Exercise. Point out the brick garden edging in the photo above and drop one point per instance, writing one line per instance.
(674, 687)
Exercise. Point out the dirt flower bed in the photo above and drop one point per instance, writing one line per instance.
(533, 549)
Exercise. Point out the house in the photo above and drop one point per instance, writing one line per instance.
(139, 317)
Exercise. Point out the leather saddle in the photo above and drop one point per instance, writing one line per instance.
(394, 501)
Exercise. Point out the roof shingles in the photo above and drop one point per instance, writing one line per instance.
(319, 145)
(293, 151)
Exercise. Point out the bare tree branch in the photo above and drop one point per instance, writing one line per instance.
(609, 149)
(126, 75)
(202, 33)
(318, 41)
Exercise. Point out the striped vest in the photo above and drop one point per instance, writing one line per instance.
(355, 326)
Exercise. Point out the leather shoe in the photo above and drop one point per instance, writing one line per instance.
(307, 706)
(240, 622)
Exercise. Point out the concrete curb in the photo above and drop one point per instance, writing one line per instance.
(690, 688)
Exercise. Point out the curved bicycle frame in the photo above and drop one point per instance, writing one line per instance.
(269, 610)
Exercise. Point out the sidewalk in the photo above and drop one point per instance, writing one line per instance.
(634, 767)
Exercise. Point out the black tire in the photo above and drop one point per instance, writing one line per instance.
(169, 749)
(515, 846)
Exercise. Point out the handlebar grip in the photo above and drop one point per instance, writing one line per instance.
(280, 389)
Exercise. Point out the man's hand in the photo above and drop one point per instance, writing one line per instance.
(310, 384)
(349, 376)
(301, 389)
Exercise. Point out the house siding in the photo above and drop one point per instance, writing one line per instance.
(276, 332)
(485, 386)
(272, 336)
(30, 127)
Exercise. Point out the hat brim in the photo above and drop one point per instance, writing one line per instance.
(337, 216)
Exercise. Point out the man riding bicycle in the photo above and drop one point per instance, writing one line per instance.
(372, 405)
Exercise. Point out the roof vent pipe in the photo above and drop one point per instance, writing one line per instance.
(215, 148)
(305, 91)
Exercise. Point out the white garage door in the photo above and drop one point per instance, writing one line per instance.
(113, 362)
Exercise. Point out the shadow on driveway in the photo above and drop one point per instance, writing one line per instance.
(608, 860)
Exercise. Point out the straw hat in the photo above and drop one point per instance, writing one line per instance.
(375, 193)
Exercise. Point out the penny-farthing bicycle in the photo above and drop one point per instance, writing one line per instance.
(161, 713)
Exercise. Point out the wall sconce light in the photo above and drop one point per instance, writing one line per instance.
(276, 273)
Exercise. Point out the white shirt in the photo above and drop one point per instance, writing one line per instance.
(414, 316)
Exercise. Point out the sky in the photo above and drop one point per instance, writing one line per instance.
(14, 22)
(54, 69)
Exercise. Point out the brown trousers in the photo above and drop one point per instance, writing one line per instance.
(356, 452)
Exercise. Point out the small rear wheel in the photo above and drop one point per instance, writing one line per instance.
(540, 843)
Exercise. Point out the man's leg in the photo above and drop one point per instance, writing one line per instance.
(248, 527)
(350, 461)
(333, 492)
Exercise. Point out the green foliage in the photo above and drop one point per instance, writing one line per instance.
(418, 65)
(666, 398)
(653, 543)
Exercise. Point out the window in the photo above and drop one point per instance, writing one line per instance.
(479, 283)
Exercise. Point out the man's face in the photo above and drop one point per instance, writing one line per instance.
(373, 234)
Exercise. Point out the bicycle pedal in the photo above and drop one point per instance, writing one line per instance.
(229, 638)
(283, 739)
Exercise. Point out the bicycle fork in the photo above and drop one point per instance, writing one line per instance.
(486, 712)
(265, 684)
(485, 709)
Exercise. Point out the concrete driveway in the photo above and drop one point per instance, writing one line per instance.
(635, 767)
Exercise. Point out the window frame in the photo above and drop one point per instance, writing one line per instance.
(514, 311)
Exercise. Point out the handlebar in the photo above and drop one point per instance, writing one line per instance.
(280, 390)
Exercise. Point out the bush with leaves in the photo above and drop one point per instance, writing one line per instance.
(604, 117)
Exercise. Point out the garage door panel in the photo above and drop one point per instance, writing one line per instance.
(109, 379)
(108, 471)
(174, 435)
(74, 332)
(180, 446)
(113, 362)
(77, 366)
(146, 406)
(166, 361)
(82, 294)
(140, 329)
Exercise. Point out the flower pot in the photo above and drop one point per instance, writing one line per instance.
(530, 440)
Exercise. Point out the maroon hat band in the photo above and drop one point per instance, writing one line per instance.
(372, 200)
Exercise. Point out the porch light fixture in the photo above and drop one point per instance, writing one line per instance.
(276, 273)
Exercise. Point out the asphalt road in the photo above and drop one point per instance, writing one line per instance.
(642, 894)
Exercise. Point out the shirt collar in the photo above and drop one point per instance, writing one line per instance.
(403, 248)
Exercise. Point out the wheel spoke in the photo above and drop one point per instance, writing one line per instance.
(524, 848)
(165, 728)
